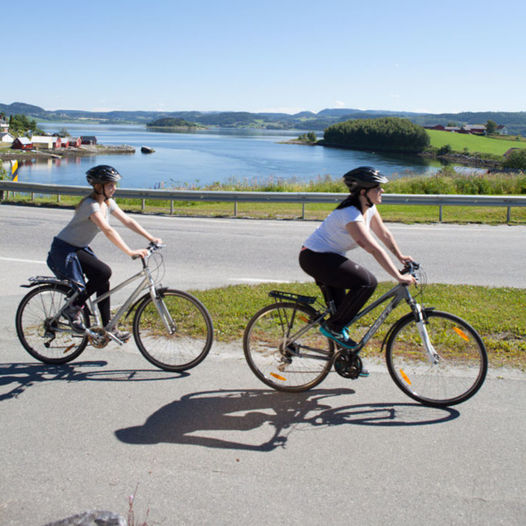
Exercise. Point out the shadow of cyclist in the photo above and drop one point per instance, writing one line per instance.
(225, 419)
(18, 377)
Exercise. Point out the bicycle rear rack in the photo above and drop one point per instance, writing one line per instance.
(290, 296)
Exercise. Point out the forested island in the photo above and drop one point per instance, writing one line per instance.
(174, 124)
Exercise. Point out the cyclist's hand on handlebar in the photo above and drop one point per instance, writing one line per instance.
(140, 253)
(406, 279)
(406, 259)
(157, 241)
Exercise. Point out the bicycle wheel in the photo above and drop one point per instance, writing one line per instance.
(184, 347)
(44, 339)
(455, 375)
(295, 365)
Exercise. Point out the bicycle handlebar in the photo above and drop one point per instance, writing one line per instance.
(151, 248)
(410, 268)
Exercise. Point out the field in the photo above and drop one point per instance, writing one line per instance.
(474, 143)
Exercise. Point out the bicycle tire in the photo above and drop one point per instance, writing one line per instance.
(188, 345)
(299, 367)
(55, 344)
(462, 363)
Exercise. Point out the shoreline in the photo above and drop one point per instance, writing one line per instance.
(82, 151)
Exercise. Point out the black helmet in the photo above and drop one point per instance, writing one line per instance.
(102, 174)
(363, 177)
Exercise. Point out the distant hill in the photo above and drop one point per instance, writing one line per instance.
(515, 122)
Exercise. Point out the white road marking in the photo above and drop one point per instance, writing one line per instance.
(17, 260)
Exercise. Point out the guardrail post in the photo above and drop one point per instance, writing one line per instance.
(171, 207)
(303, 210)
(508, 215)
(143, 204)
(32, 196)
(440, 213)
(58, 198)
(235, 208)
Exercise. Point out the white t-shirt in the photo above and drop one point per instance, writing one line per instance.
(81, 230)
(332, 236)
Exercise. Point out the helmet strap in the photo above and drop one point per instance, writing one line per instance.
(368, 203)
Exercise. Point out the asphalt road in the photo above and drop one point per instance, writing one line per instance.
(214, 446)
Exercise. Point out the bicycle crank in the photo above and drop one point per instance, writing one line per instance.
(348, 365)
(97, 337)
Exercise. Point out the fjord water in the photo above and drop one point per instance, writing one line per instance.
(198, 159)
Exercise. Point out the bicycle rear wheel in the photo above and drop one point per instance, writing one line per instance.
(189, 342)
(47, 340)
(457, 373)
(295, 364)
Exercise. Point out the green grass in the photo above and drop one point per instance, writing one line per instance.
(496, 313)
(474, 143)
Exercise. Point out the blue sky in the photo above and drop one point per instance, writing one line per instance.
(279, 56)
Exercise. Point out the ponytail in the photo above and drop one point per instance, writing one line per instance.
(351, 200)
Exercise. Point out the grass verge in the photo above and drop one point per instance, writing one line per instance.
(496, 313)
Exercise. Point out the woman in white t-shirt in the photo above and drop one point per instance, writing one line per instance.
(323, 255)
(70, 256)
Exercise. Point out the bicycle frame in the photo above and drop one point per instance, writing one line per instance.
(146, 283)
(396, 294)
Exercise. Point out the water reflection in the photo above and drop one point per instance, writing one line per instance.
(211, 156)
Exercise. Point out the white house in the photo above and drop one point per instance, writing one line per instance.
(44, 141)
(6, 138)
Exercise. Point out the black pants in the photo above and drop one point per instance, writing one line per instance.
(340, 274)
(98, 274)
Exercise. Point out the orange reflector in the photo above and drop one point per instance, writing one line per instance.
(69, 348)
(303, 318)
(461, 333)
(405, 377)
(278, 377)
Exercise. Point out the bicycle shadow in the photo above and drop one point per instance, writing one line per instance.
(235, 419)
(20, 376)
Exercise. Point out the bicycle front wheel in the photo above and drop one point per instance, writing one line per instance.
(456, 372)
(284, 350)
(176, 333)
(43, 337)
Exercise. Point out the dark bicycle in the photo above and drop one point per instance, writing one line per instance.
(434, 357)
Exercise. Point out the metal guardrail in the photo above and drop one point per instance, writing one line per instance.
(303, 198)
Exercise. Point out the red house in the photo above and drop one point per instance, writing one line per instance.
(75, 142)
(22, 143)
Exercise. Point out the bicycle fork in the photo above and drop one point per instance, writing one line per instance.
(433, 356)
(162, 310)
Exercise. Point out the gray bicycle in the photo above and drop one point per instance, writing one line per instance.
(434, 357)
(172, 329)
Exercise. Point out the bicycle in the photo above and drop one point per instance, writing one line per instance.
(434, 357)
(172, 329)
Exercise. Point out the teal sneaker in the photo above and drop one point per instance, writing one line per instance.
(341, 337)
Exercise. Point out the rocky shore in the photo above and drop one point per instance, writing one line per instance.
(82, 151)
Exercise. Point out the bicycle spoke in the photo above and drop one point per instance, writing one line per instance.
(450, 376)
(285, 350)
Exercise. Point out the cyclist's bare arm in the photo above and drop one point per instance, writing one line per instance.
(387, 238)
(114, 236)
(129, 222)
(364, 239)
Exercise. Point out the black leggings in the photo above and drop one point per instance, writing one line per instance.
(340, 274)
(98, 274)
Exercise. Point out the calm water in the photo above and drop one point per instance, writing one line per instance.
(202, 158)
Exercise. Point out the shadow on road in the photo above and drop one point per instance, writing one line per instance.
(20, 376)
(236, 419)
